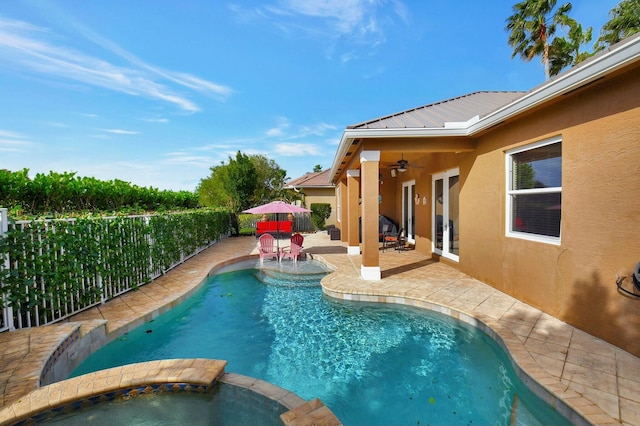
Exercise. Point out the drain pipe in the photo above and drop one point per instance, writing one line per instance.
(635, 276)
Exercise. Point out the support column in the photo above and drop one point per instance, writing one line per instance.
(353, 211)
(343, 211)
(369, 181)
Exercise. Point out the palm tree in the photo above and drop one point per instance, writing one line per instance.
(624, 22)
(565, 52)
(532, 27)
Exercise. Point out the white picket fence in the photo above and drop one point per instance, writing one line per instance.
(44, 312)
(6, 320)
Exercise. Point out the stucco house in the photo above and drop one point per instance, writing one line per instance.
(535, 193)
(316, 188)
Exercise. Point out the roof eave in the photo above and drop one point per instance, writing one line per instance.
(351, 134)
(309, 186)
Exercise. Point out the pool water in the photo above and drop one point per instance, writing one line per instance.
(225, 405)
(373, 364)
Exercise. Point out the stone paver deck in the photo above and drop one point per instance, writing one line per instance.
(598, 380)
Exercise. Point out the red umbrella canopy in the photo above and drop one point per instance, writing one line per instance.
(276, 207)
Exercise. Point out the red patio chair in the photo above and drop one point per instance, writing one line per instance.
(297, 239)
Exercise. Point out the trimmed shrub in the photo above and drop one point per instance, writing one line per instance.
(320, 212)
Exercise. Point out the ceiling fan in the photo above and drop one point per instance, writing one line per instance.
(401, 166)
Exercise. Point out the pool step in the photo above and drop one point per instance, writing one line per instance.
(313, 412)
(283, 279)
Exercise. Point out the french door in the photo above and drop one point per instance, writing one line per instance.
(446, 214)
(408, 210)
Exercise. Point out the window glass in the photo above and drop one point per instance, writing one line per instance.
(537, 213)
(535, 192)
(538, 168)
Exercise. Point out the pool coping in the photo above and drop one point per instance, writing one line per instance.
(197, 375)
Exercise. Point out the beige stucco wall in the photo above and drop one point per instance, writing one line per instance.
(575, 281)
(322, 195)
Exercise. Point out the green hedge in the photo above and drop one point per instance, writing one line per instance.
(56, 268)
(62, 194)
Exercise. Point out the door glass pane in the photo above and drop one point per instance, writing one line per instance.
(439, 211)
(405, 201)
(454, 214)
(413, 212)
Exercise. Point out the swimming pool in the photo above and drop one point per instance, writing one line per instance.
(369, 363)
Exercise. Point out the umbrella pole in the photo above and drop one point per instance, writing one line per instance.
(278, 239)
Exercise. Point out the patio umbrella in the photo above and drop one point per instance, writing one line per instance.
(276, 207)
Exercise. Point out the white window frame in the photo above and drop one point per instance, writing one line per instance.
(510, 192)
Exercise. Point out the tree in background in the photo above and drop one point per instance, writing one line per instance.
(565, 52)
(624, 22)
(230, 185)
(271, 179)
(317, 168)
(211, 191)
(243, 182)
(532, 28)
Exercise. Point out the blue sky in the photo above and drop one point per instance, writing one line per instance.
(155, 92)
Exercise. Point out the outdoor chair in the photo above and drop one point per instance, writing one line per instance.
(396, 241)
(294, 249)
(297, 239)
(385, 230)
(293, 252)
(266, 247)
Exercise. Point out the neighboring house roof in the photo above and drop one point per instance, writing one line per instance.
(460, 109)
(312, 180)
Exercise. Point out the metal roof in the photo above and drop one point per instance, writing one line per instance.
(456, 110)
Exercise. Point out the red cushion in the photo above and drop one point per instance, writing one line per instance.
(285, 226)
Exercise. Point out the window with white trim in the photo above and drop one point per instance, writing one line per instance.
(534, 191)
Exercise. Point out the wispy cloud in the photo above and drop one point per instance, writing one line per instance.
(280, 128)
(121, 131)
(284, 129)
(297, 149)
(318, 129)
(188, 159)
(285, 139)
(29, 49)
(156, 120)
(13, 142)
(360, 22)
